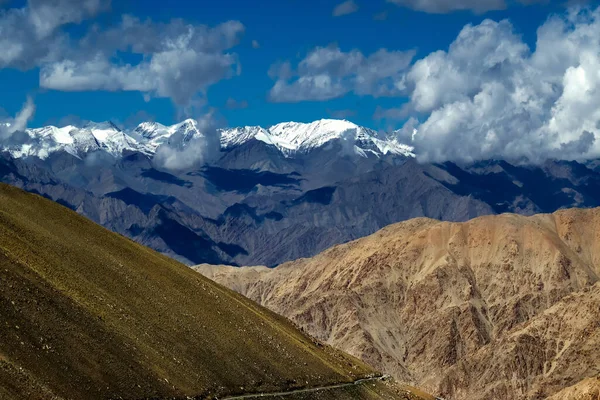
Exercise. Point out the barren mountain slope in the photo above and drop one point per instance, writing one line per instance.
(498, 307)
(588, 389)
(88, 314)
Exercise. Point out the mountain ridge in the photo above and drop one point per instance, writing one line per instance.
(290, 208)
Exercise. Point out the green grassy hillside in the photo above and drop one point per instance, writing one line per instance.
(88, 314)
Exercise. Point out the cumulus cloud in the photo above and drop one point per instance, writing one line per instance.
(179, 60)
(281, 70)
(47, 15)
(328, 72)
(484, 53)
(491, 96)
(345, 8)
(179, 154)
(30, 35)
(10, 126)
(447, 6)
(348, 142)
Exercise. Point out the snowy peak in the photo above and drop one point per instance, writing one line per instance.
(178, 135)
(304, 137)
(41, 142)
(104, 136)
(188, 130)
(153, 134)
(106, 126)
(298, 131)
(150, 130)
(237, 136)
(58, 135)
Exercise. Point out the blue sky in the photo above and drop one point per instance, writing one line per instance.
(285, 30)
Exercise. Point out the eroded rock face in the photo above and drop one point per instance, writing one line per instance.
(498, 307)
(588, 389)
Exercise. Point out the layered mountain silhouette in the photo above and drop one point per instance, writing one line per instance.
(269, 195)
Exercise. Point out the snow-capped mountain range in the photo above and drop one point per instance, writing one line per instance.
(292, 139)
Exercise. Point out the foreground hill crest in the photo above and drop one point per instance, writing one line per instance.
(88, 314)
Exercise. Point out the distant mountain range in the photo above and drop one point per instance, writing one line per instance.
(262, 196)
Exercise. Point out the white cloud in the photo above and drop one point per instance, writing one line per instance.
(255, 44)
(9, 126)
(179, 60)
(481, 53)
(327, 72)
(447, 6)
(203, 148)
(47, 15)
(30, 35)
(490, 96)
(345, 8)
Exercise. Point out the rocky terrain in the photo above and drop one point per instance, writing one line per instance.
(588, 389)
(497, 307)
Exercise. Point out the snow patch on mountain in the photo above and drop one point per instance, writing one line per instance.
(154, 134)
(237, 136)
(77, 141)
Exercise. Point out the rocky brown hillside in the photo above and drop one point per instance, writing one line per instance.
(588, 389)
(500, 307)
